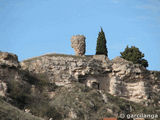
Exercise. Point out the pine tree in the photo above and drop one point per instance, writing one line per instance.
(135, 55)
(101, 44)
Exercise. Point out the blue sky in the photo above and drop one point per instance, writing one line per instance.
(31, 28)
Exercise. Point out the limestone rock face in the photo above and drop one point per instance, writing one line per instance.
(64, 69)
(117, 77)
(8, 65)
(129, 80)
(79, 45)
(3, 88)
(9, 59)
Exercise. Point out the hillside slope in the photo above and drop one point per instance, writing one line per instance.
(9, 112)
(66, 87)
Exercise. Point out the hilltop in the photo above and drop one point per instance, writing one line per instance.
(76, 87)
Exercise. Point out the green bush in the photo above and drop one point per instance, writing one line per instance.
(19, 92)
(135, 55)
(40, 80)
(101, 44)
(40, 107)
(23, 97)
(9, 112)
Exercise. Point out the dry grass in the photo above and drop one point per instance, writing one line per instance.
(9, 112)
(58, 55)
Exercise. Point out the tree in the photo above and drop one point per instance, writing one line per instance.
(135, 55)
(101, 44)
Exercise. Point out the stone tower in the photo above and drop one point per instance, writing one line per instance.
(79, 44)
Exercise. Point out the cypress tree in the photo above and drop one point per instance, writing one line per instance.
(101, 48)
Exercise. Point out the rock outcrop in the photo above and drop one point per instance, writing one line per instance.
(118, 77)
(8, 65)
(79, 44)
(129, 80)
(8, 59)
(3, 88)
(78, 87)
(64, 69)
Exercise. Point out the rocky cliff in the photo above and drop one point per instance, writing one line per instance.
(117, 77)
(78, 87)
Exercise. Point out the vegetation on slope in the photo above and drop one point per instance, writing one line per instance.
(9, 112)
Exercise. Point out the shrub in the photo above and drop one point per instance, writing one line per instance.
(40, 107)
(135, 55)
(19, 92)
(40, 80)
